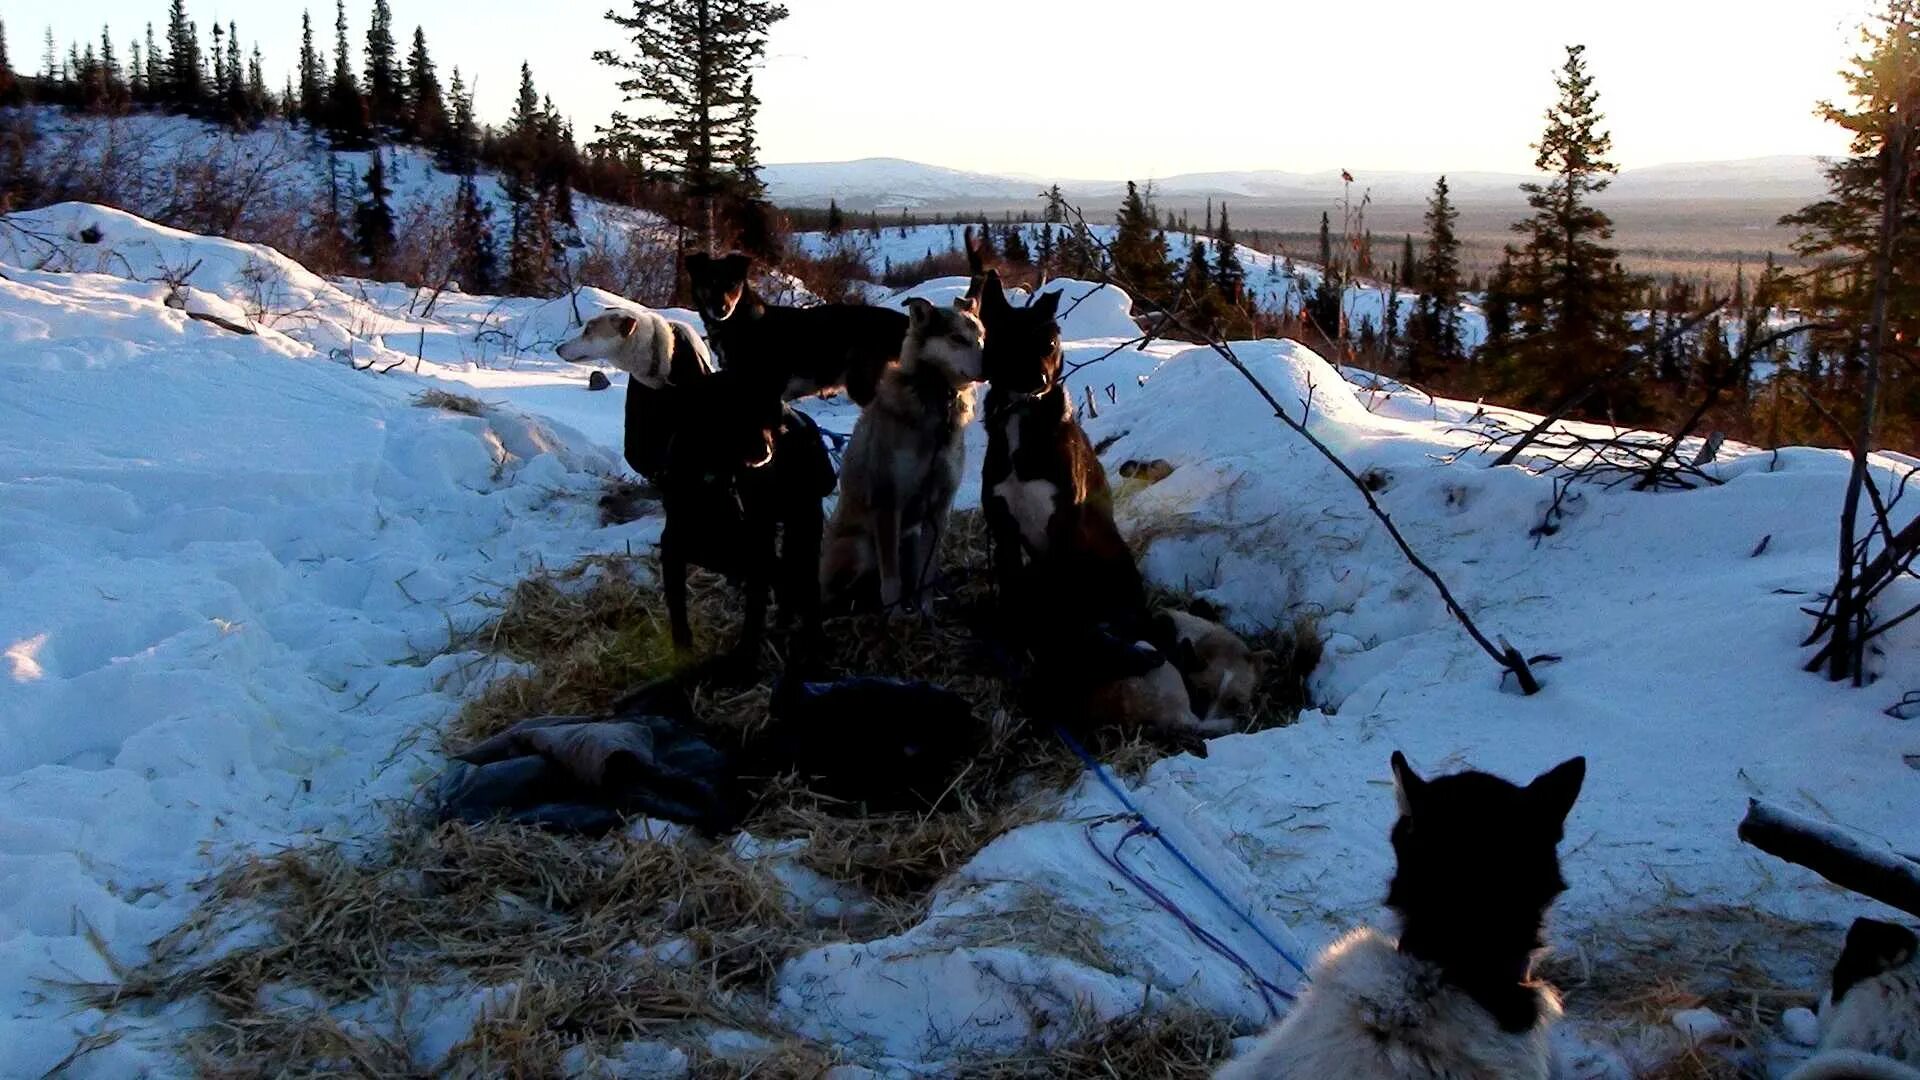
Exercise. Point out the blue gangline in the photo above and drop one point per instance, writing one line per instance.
(1244, 915)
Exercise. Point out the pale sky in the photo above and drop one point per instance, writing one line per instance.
(1108, 89)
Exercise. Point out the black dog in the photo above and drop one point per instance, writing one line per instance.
(744, 478)
(880, 744)
(1477, 868)
(792, 352)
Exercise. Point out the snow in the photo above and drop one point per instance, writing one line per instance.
(230, 563)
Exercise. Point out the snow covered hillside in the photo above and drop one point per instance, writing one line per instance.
(236, 538)
(1275, 282)
(268, 182)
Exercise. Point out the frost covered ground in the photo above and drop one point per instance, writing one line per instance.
(229, 565)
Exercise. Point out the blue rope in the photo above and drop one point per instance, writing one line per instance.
(1114, 860)
(1245, 915)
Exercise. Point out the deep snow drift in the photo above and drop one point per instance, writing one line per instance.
(229, 565)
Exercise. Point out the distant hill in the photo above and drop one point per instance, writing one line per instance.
(892, 183)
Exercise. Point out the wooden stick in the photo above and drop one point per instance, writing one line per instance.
(1842, 857)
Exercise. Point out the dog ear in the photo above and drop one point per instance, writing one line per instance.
(966, 305)
(987, 289)
(1408, 789)
(1554, 791)
(737, 266)
(919, 310)
(1186, 657)
(1047, 303)
(1873, 948)
(627, 325)
(697, 262)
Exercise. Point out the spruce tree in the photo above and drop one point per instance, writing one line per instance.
(1409, 265)
(1139, 251)
(1572, 295)
(136, 72)
(313, 76)
(1326, 304)
(1229, 275)
(259, 99)
(531, 248)
(1497, 305)
(346, 109)
(746, 149)
(476, 261)
(218, 54)
(556, 162)
(386, 95)
(233, 89)
(373, 218)
(836, 221)
(1840, 233)
(690, 68)
(1434, 336)
(10, 93)
(426, 107)
(1326, 239)
(113, 79)
(1196, 281)
(185, 84)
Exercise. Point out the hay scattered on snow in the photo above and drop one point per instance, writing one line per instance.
(615, 939)
(1636, 970)
(451, 402)
(1158, 1045)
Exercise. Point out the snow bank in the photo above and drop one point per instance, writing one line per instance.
(227, 575)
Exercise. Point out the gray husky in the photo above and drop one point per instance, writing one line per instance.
(903, 465)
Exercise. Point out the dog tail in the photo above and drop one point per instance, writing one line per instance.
(1853, 1065)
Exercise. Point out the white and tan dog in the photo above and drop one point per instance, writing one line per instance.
(1220, 670)
(902, 466)
(661, 358)
(644, 344)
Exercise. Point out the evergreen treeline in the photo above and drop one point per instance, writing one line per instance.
(691, 156)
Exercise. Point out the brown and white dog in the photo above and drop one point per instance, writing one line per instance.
(904, 461)
(1220, 671)
(660, 356)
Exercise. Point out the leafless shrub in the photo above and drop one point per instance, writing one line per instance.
(637, 266)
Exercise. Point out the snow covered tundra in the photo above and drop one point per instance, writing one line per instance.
(235, 556)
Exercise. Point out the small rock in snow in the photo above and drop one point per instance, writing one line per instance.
(599, 381)
(1800, 1026)
(1700, 1025)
